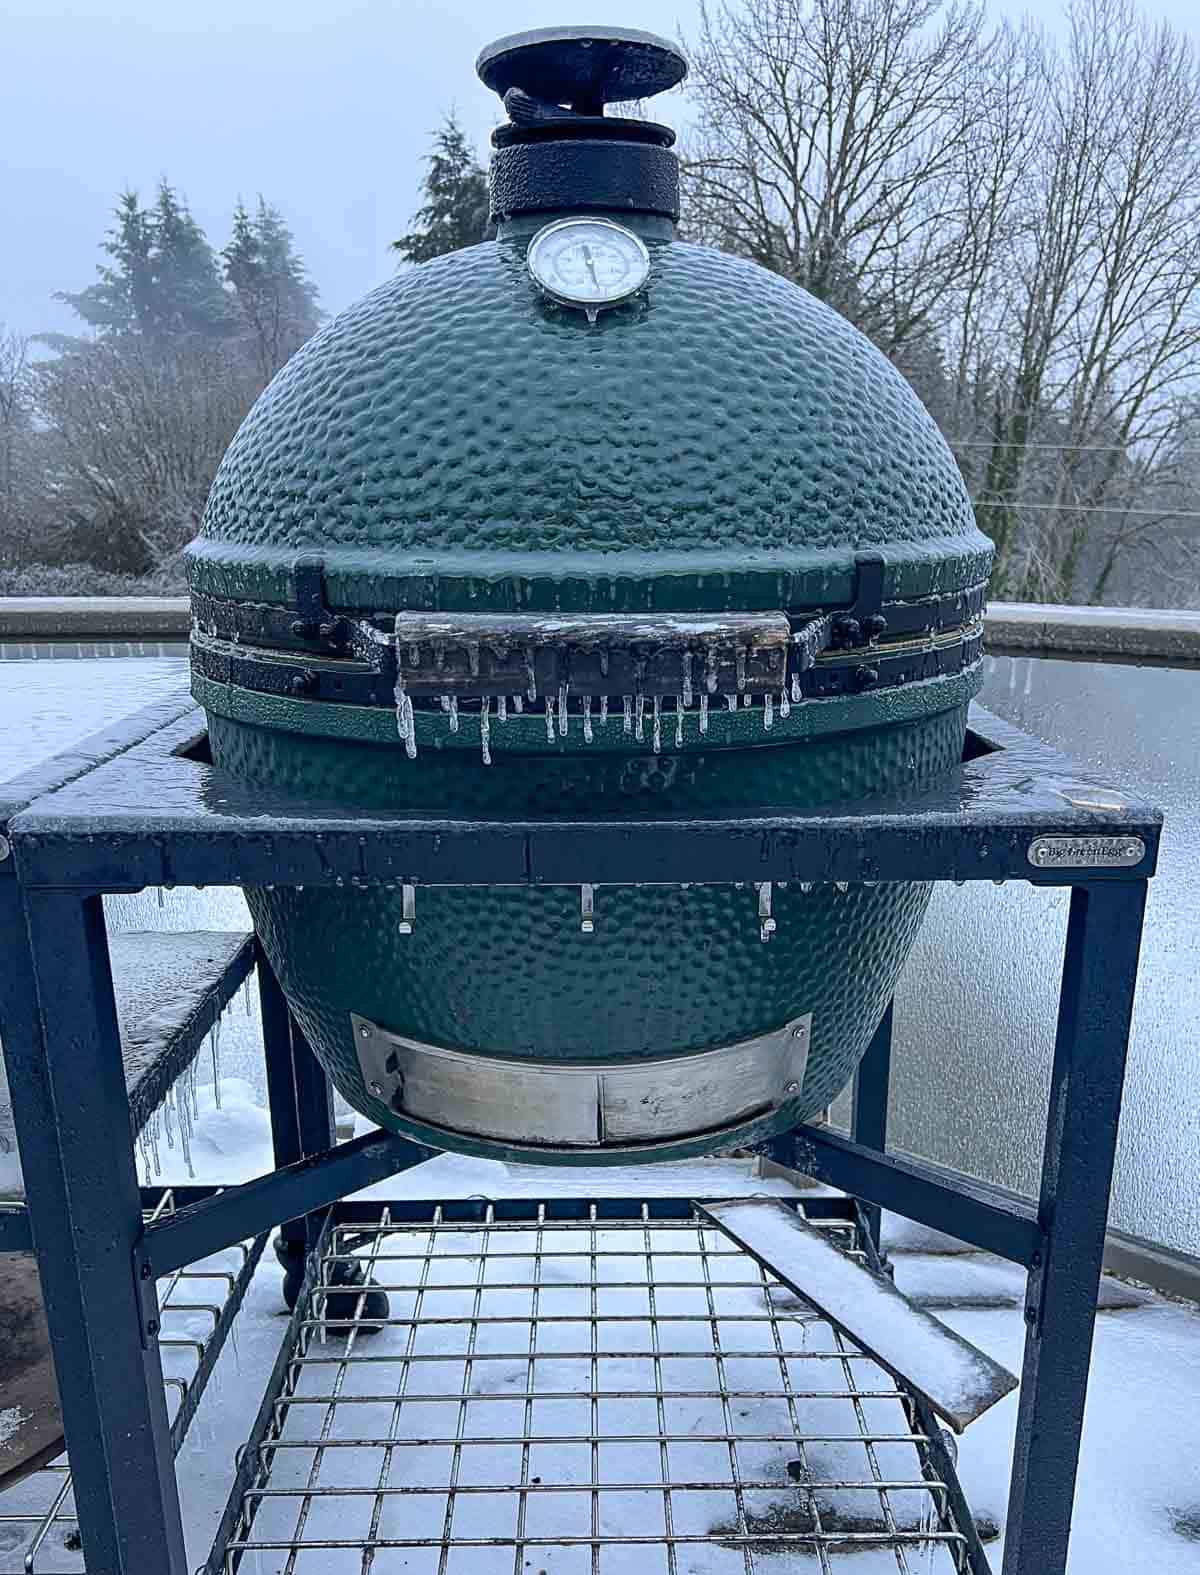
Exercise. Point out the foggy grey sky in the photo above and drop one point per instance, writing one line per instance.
(324, 106)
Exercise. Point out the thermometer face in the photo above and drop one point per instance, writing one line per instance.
(589, 263)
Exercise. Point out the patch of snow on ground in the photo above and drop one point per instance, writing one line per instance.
(11, 1421)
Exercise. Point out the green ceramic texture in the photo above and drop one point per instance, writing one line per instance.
(454, 441)
(725, 442)
(508, 971)
(581, 779)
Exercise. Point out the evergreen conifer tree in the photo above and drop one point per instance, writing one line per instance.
(163, 279)
(274, 300)
(455, 212)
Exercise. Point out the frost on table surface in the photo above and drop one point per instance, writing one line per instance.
(959, 1381)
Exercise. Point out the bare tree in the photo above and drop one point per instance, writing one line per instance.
(14, 416)
(135, 436)
(1101, 292)
(838, 143)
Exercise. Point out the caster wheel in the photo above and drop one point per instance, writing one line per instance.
(368, 1310)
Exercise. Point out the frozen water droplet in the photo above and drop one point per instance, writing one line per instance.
(768, 711)
(485, 729)
(657, 740)
(704, 712)
(639, 707)
(628, 700)
(410, 728)
(502, 707)
(842, 885)
(785, 705)
(445, 702)
(687, 678)
(454, 713)
(587, 719)
(679, 723)
(562, 709)
(747, 702)
(519, 704)
(549, 719)
(731, 702)
(806, 886)
(593, 313)
(603, 710)
(795, 688)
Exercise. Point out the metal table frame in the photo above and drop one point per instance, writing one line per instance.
(142, 806)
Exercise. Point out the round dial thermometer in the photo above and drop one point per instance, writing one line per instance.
(588, 263)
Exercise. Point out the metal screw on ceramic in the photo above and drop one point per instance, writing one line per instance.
(365, 1032)
(376, 1088)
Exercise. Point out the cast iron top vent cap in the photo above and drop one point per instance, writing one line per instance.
(558, 149)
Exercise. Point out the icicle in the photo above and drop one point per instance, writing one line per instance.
(679, 723)
(766, 924)
(587, 719)
(454, 713)
(562, 709)
(657, 741)
(603, 710)
(710, 669)
(747, 701)
(406, 721)
(768, 711)
(687, 678)
(168, 1109)
(731, 702)
(549, 719)
(144, 1155)
(502, 707)
(639, 706)
(704, 712)
(530, 674)
(741, 668)
(519, 704)
(446, 703)
(628, 701)
(795, 688)
(185, 1132)
(785, 705)
(485, 729)
(215, 1043)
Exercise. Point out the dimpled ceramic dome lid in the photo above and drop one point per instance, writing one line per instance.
(587, 520)
(461, 440)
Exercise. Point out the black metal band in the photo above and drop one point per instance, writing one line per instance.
(567, 175)
(310, 627)
(351, 682)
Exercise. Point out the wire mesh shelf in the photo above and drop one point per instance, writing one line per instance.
(197, 1306)
(592, 1396)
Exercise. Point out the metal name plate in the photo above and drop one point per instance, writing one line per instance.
(577, 1104)
(1080, 853)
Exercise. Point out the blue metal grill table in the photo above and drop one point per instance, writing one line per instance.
(143, 806)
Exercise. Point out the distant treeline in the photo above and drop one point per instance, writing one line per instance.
(1014, 221)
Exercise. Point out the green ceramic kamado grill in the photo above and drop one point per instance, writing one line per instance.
(587, 521)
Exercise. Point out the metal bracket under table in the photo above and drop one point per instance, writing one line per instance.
(1013, 809)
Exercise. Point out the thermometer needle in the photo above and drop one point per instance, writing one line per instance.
(591, 267)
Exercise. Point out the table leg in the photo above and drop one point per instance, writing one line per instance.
(1095, 1009)
(71, 1109)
